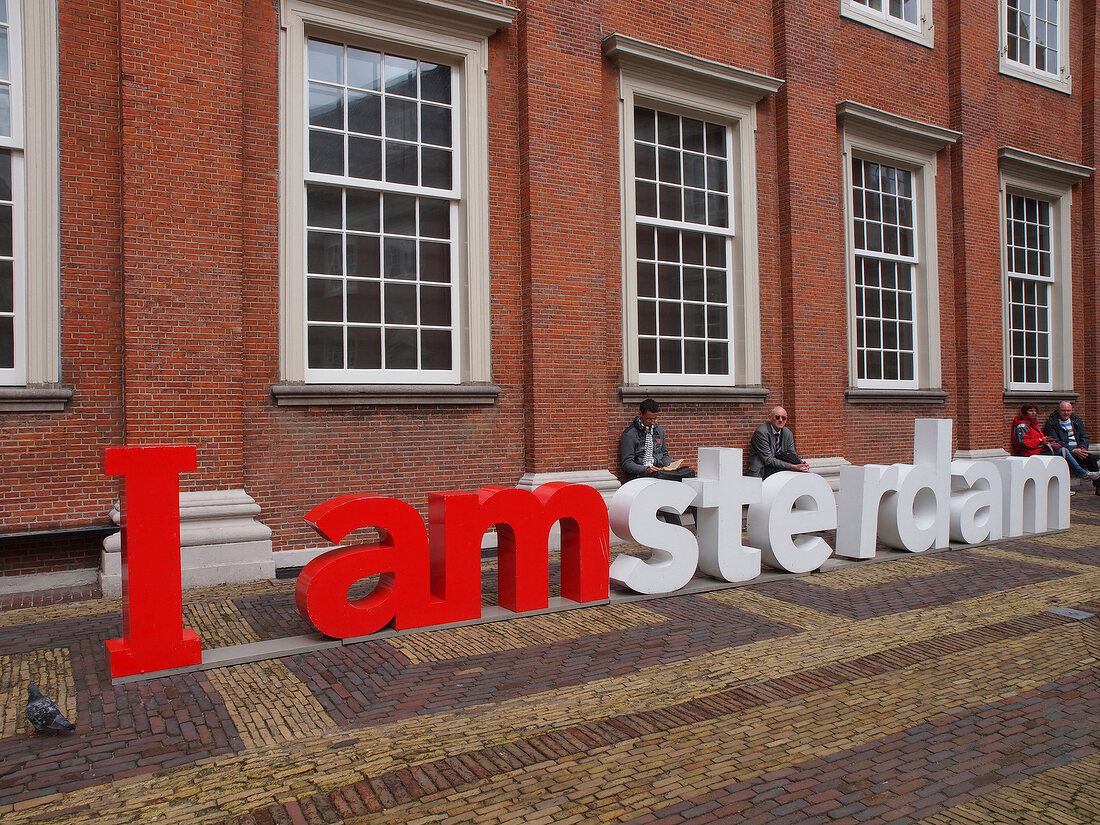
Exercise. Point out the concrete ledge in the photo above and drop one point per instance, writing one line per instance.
(48, 581)
(35, 399)
(221, 542)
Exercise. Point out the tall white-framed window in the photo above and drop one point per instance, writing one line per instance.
(1029, 269)
(683, 246)
(1036, 200)
(385, 271)
(13, 288)
(29, 211)
(886, 265)
(911, 19)
(889, 174)
(1035, 41)
(690, 268)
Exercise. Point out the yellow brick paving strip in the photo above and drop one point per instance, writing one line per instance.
(1066, 795)
(874, 573)
(1079, 535)
(269, 704)
(220, 624)
(103, 607)
(211, 789)
(51, 669)
(1030, 558)
(676, 765)
(516, 634)
(743, 598)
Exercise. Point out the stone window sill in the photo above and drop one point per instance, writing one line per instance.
(35, 399)
(635, 394)
(854, 395)
(370, 395)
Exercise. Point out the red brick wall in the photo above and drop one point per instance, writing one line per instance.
(170, 264)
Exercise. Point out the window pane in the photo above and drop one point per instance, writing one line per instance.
(326, 106)
(325, 301)
(435, 82)
(364, 69)
(364, 302)
(362, 210)
(7, 287)
(435, 349)
(364, 348)
(400, 304)
(435, 262)
(400, 74)
(364, 113)
(326, 152)
(401, 162)
(435, 125)
(326, 348)
(436, 168)
(7, 342)
(326, 61)
(401, 349)
(363, 258)
(324, 207)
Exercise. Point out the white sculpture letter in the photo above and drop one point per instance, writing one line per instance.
(633, 513)
(721, 492)
(792, 504)
(976, 503)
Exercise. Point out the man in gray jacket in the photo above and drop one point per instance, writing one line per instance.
(773, 448)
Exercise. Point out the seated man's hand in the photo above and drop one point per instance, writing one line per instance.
(802, 468)
(652, 469)
(1081, 452)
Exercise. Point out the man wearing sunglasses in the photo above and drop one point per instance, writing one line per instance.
(773, 448)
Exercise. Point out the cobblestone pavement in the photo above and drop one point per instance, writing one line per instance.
(938, 689)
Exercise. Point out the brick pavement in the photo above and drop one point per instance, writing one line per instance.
(935, 689)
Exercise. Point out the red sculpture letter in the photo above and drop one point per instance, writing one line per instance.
(153, 635)
(523, 522)
(400, 559)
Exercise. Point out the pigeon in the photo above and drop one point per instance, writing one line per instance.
(43, 713)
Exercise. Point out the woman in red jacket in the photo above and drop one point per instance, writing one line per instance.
(1028, 439)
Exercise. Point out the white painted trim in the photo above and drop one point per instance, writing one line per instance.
(675, 82)
(908, 144)
(1026, 181)
(923, 32)
(35, 185)
(452, 31)
(1060, 82)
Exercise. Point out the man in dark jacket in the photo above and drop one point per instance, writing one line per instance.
(1067, 429)
(772, 448)
(643, 451)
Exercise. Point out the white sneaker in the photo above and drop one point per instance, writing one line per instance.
(1091, 476)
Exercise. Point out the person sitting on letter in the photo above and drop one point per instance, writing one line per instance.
(772, 448)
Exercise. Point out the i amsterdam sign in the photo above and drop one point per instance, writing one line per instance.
(430, 575)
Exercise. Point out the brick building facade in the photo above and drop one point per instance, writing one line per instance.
(414, 245)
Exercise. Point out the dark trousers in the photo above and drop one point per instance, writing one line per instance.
(669, 475)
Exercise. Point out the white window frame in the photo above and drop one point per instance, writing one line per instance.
(659, 78)
(1051, 180)
(455, 34)
(1060, 80)
(899, 142)
(34, 148)
(922, 31)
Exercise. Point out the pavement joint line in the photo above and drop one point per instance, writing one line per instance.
(1047, 796)
(987, 670)
(275, 648)
(696, 677)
